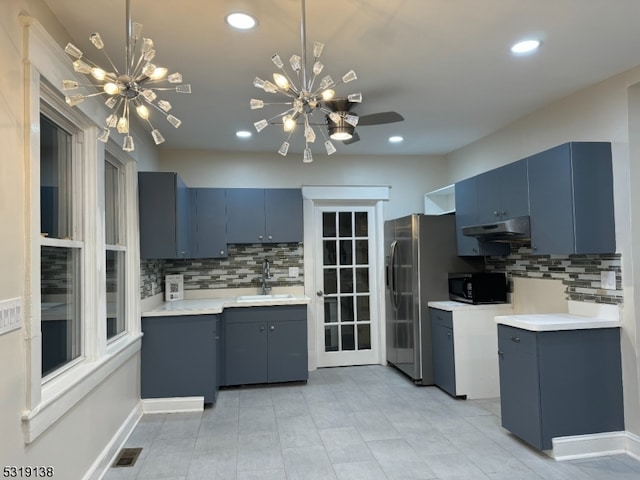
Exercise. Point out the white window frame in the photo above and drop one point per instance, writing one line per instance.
(46, 65)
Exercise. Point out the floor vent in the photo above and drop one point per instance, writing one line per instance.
(127, 457)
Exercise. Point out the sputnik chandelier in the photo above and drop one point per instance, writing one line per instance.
(303, 99)
(133, 89)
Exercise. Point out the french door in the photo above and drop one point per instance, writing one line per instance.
(346, 304)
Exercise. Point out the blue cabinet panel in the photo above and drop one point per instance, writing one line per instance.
(443, 350)
(208, 223)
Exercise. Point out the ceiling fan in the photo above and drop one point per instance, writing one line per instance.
(344, 130)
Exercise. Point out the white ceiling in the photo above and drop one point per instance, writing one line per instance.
(444, 65)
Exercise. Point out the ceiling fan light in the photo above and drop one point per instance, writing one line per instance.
(328, 94)
(350, 76)
(317, 49)
(281, 81)
(341, 134)
(335, 117)
(355, 97)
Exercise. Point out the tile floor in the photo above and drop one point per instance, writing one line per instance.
(353, 423)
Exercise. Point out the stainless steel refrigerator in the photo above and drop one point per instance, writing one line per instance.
(420, 252)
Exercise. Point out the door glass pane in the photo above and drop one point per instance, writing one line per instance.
(346, 309)
(362, 279)
(362, 303)
(111, 207)
(346, 280)
(348, 337)
(329, 224)
(345, 252)
(362, 252)
(364, 336)
(362, 227)
(115, 292)
(60, 306)
(331, 338)
(329, 252)
(330, 310)
(55, 181)
(345, 224)
(330, 281)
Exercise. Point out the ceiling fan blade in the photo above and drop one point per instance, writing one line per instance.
(354, 138)
(380, 118)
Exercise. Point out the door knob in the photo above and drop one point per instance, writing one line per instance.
(319, 293)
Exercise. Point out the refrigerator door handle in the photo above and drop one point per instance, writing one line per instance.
(393, 283)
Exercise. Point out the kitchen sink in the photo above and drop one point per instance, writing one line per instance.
(263, 298)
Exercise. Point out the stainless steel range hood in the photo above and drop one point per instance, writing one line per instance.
(511, 230)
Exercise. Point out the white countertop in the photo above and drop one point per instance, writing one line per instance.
(542, 322)
(451, 306)
(204, 306)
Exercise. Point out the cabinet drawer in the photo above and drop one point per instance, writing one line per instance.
(510, 339)
(441, 317)
(267, 313)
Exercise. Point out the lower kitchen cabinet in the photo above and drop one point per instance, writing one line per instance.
(265, 344)
(559, 383)
(464, 344)
(180, 357)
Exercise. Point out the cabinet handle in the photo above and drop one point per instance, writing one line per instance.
(221, 252)
(496, 213)
(262, 328)
(270, 237)
(259, 237)
(272, 328)
(503, 213)
(448, 335)
(515, 339)
(500, 353)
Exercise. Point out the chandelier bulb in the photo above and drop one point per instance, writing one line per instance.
(157, 136)
(254, 103)
(317, 68)
(81, 67)
(98, 73)
(111, 88)
(164, 105)
(186, 88)
(72, 50)
(104, 136)
(277, 61)
(143, 111)
(69, 85)
(328, 94)
(317, 49)
(295, 62)
(351, 119)
(128, 146)
(307, 157)
(111, 102)
(355, 97)
(176, 122)
(258, 82)
(73, 100)
(329, 147)
(281, 81)
(284, 148)
(123, 125)
(175, 78)
(350, 76)
(112, 120)
(158, 73)
(261, 125)
(96, 39)
(289, 123)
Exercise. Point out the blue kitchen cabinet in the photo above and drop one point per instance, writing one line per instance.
(164, 211)
(208, 223)
(264, 215)
(265, 345)
(180, 357)
(466, 198)
(559, 383)
(444, 370)
(571, 197)
(503, 193)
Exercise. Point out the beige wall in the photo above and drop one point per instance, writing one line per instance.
(409, 177)
(599, 113)
(73, 443)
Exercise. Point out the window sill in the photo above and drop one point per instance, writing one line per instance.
(60, 394)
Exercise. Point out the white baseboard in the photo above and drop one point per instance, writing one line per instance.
(594, 445)
(173, 405)
(108, 455)
(633, 445)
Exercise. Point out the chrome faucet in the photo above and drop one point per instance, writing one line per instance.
(266, 275)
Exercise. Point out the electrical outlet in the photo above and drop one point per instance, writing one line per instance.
(294, 272)
(10, 315)
(608, 280)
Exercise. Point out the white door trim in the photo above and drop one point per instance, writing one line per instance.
(341, 195)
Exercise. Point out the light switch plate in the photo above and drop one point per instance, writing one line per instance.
(608, 280)
(10, 315)
(294, 272)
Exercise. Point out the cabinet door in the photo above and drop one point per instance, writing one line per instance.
(444, 372)
(514, 190)
(183, 219)
(287, 358)
(519, 385)
(245, 352)
(466, 194)
(283, 215)
(245, 215)
(489, 197)
(208, 223)
(177, 357)
(550, 193)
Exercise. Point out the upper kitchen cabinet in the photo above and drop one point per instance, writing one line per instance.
(264, 215)
(466, 201)
(503, 193)
(208, 223)
(571, 199)
(164, 206)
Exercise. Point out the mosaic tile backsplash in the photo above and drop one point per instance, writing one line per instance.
(241, 269)
(579, 273)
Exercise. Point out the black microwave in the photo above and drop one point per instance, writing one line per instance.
(478, 287)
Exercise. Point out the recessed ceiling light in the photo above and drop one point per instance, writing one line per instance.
(526, 46)
(241, 21)
(243, 134)
(396, 139)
